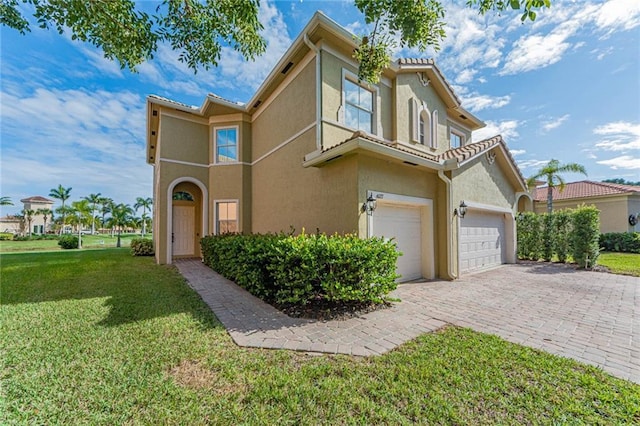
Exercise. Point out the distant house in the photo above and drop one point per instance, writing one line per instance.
(316, 148)
(616, 202)
(10, 224)
(36, 203)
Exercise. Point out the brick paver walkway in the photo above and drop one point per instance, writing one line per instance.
(588, 316)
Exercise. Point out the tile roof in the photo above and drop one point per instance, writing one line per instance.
(471, 150)
(585, 189)
(160, 98)
(36, 199)
(416, 61)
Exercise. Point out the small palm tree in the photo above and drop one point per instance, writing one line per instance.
(94, 200)
(105, 207)
(63, 212)
(121, 215)
(61, 193)
(46, 214)
(145, 204)
(28, 217)
(80, 215)
(5, 201)
(551, 173)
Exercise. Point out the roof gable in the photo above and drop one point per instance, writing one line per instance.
(37, 199)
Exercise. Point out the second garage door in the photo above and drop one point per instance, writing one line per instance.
(403, 223)
(482, 241)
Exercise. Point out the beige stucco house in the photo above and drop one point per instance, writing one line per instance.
(317, 149)
(617, 203)
(35, 204)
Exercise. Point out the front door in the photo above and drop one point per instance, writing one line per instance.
(183, 230)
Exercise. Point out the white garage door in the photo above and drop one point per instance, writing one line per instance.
(402, 223)
(482, 241)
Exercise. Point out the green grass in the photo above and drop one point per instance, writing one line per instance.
(88, 241)
(101, 337)
(621, 263)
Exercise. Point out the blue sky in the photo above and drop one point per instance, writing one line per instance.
(566, 86)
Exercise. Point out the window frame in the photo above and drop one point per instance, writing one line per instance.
(216, 221)
(461, 135)
(216, 158)
(353, 79)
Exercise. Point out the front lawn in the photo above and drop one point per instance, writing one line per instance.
(621, 263)
(101, 337)
(88, 241)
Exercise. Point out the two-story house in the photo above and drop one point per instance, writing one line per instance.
(316, 149)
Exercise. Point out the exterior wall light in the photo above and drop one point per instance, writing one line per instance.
(462, 210)
(370, 205)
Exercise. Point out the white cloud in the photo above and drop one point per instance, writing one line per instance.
(622, 162)
(532, 164)
(553, 124)
(620, 136)
(508, 130)
(618, 15)
(536, 51)
(515, 152)
(477, 102)
(466, 76)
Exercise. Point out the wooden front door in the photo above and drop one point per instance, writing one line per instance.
(184, 230)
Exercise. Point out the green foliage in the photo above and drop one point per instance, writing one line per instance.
(548, 237)
(528, 6)
(624, 242)
(585, 237)
(68, 242)
(142, 247)
(622, 181)
(562, 234)
(36, 237)
(297, 269)
(529, 227)
(551, 173)
(6, 236)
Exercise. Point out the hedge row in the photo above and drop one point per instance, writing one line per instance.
(560, 234)
(298, 269)
(625, 242)
(142, 247)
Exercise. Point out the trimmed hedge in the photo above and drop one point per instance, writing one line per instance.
(142, 247)
(560, 234)
(68, 242)
(301, 268)
(625, 242)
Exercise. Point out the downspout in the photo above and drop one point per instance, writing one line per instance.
(315, 49)
(450, 272)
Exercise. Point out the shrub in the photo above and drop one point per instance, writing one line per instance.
(142, 247)
(6, 236)
(585, 238)
(529, 229)
(298, 269)
(548, 236)
(626, 242)
(562, 236)
(68, 242)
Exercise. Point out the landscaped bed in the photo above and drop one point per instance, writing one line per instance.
(101, 337)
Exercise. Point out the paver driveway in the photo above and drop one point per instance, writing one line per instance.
(589, 316)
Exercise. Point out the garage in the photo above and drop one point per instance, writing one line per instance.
(482, 240)
(402, 222)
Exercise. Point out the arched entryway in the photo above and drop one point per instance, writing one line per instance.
(186, 223)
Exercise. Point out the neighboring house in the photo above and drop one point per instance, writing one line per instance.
(37, 223)
(314, 144)
(616, 202)
(11, 224)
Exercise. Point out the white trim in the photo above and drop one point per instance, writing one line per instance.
(292, 138)
(433, 142)
(215, 144)
(215, 213)
(184, 116)
(297, 69)
(426, 224)
(226, 118)
(205, 211)
(463, 137)
(456, 124)
(186, 163)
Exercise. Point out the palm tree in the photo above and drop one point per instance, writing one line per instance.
(80, 215)
(105, 207)
(551, 173)
(121, 215)
(46, 213)
(5, 201)
(63, 212)
(28, 217)
(61, 193)
(94, 199)
(145, 203)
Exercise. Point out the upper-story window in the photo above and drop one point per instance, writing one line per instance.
(456, 138)
(226, 143)
(425, 125)
(424, 128)
(358, 104)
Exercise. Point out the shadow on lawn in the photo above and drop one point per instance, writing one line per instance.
(134, 289)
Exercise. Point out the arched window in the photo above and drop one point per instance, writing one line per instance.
(424, 133)
(182, 196)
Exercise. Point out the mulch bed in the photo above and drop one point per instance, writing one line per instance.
(323, 310)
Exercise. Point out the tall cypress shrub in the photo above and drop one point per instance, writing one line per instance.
(586, 236)
(529, 235)
(562, 237)
(548, 236)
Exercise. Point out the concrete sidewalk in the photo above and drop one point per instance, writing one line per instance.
(588, 316)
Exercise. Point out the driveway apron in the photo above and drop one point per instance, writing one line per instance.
(588, 316)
